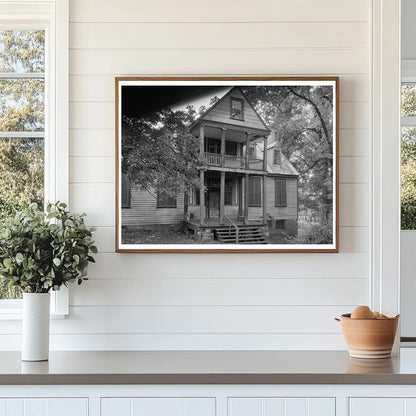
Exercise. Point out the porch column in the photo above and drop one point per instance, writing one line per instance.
(223, 147)
(222, 197)
(265, 153)
(240, 197)
(246, 197)
(247, 147)
(202, 143)
(264, 199)
(202, 197)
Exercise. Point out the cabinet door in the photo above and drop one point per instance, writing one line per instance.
(44, 407)
(270, 406)
(380, 406)
(161, 406)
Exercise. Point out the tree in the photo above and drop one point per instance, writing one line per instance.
(159, 153)
(21, 109)
(303, 119)
(408, 179)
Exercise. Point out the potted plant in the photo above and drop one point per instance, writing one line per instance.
(40, 252)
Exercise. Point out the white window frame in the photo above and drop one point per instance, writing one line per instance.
(53, 17)
(385, 131)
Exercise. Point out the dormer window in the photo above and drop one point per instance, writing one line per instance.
(237, 109)
(277, 157)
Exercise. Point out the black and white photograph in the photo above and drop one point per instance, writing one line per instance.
(227, 164)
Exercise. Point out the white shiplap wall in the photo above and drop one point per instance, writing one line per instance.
(197, 301)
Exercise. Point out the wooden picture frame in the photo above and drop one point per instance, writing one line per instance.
(191, 177)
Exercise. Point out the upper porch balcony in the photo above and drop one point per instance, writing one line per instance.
(233, 162)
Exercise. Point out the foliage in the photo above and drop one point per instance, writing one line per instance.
(21, 174)
(303, 119)
(408, 179)
(43, 251)
(21, 109)
(320, 233)
(159, 152)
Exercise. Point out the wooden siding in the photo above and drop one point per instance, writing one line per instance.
(290, 211)
(221, 113)
(143, 210)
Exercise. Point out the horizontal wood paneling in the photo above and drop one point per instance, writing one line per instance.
(218, 35)
(96, 199)
(220, 62)
(282, 265)
(93, 143)
(354, 239)
(145, 342)
(354, 205)
(354, 169)
(218, 11)
(91, 169)
(165, 292)
(354, 142)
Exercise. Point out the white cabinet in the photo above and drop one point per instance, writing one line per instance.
(382, 406)
(44, 407)
(160, 406)
(281, 406)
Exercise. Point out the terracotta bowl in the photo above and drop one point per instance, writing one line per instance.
(369, 338)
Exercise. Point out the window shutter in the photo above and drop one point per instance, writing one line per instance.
(280, 189)
(125, 191)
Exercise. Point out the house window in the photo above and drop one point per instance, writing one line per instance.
(254, 191)
(125, 191)
(228, 194)
(277, 157)
(251, 152)
(33, 115)
(237, 109)
(194, 197)
(280, 191)
(213, 146)
(231, 148)
(164, 200)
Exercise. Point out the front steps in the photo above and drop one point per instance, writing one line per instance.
(247, 234)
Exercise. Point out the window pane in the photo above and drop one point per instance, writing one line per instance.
(22, 51)
(21, 182)
(408, 178)
(22, 105)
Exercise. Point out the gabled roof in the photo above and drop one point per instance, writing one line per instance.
(284, 168)
(220, 113)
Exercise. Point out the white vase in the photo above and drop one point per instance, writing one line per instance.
(35, 326)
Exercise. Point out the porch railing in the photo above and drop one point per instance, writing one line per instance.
(234, 162)
(255, 164)
(213, 159)
(237, 230)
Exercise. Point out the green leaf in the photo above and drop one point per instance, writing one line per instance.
(56, 262)
(94, 249)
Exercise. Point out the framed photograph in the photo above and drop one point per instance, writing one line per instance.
(227, 164)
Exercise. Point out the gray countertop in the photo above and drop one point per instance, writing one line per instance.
(208, 367)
